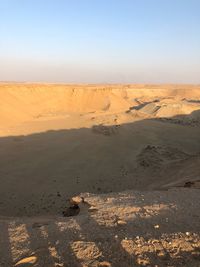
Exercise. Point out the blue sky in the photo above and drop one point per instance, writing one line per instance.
(100, 41)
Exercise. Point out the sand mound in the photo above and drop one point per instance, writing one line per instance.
(173, 109)
(105, 130)
(167, 108)
(174, 167)
(150, 109)
(156, 156)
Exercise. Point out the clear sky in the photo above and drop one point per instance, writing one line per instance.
(100, 41)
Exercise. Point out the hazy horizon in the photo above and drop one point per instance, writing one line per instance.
(138, 41)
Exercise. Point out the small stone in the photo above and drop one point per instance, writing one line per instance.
(143, 262)
(73, 210)
(92, 209)
(116, 236)
(58, 194)
(188, 184)
(121, 222)
(163, 255)
(104, 264)
(28, 260)
(187, 233)
(156, 226)
(77, 200)
(38, 225)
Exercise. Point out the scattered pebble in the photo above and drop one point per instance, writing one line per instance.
(27, 260)
(77, 199)
(121, 222)
(104, 264)
(92, 209)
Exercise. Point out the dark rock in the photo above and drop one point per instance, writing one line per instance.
(188, 184)
(73, 210)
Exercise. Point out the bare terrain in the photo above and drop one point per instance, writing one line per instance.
(134, 148)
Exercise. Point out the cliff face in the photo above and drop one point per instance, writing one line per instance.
(26, 102)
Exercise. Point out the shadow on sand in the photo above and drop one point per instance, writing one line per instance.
(96, 238)
(39, 171)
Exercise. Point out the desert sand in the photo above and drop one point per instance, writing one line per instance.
(132, 152)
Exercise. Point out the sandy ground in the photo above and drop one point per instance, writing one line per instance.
(57, 141)
(118, 229)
